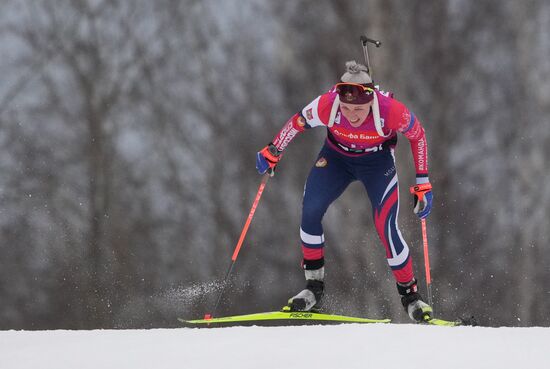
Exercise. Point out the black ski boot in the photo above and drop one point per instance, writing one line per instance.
(311, 296)
(417, 309)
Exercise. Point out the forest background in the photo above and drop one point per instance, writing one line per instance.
(128, 133)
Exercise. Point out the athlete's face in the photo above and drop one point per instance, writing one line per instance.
(355, 113)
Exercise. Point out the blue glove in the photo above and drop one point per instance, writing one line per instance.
(267, 159)
(423, 199)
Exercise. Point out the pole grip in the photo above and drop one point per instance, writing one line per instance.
(420, 189)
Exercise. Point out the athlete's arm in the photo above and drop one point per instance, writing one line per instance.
(404, 121)
(315, 114)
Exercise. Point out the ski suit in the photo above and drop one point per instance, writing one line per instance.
(366, 154)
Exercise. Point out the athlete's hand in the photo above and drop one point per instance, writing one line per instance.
(423, 199)
(267, 159)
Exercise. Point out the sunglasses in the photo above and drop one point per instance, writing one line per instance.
(354, 93)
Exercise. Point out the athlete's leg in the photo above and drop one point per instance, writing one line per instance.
(382, 186)
(326, 182)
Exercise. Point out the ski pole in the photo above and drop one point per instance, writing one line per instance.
(419, 191)
(240, 242)
(427, 262)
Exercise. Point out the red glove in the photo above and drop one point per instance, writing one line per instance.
(267, 159)
(423, 199)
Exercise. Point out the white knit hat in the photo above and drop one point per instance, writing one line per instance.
(356, 73)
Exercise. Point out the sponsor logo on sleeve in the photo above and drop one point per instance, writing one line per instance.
(309, 114)
(286, 135)
(421, 155)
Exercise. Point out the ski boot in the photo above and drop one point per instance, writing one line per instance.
(417, 309)
(310, 297)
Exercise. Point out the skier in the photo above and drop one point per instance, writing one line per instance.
(362, 124)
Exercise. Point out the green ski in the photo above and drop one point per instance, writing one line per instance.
(285, 315)
(451, 323)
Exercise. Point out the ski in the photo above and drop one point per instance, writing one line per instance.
(316, 316)
(443, 323)
(284, 315)
(451, 323)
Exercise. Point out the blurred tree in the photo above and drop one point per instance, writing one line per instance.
(127, 142)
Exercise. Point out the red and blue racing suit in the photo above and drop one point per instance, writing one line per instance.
(364, 154)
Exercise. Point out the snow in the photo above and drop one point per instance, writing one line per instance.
(343, 346)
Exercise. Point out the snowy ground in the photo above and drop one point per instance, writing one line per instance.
(316, 347)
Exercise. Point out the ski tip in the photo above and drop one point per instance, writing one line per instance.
(207, 320)
(185, 322)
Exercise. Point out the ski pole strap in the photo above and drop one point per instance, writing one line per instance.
(420, 189)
